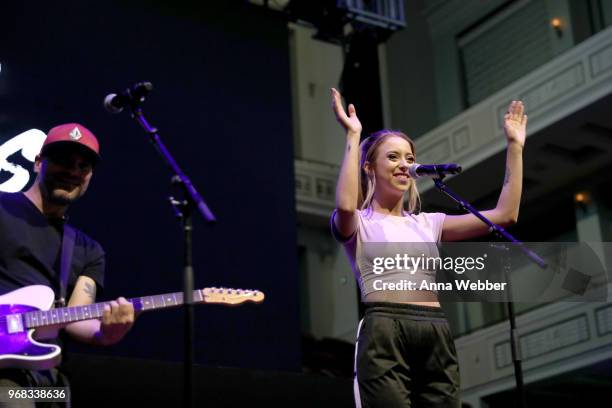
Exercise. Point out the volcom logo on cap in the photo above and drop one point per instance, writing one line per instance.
(75, 134)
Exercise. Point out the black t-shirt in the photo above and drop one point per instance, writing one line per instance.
(30, 248)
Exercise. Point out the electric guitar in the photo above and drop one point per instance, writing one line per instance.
(24, 310)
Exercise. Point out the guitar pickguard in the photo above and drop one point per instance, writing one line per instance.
(18, 348)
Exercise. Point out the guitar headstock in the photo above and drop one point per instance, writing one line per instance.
(229, 296)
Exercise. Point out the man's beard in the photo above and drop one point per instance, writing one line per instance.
(60, 196)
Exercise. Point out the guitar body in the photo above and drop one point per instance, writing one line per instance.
(18, 349)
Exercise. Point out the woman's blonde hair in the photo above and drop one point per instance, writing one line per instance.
(367, 183)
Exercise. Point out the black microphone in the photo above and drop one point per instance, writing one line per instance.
(130, 97)
(432, 170)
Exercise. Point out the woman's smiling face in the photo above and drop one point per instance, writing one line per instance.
(390, 167)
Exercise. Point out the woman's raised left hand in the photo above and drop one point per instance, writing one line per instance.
(515, 123)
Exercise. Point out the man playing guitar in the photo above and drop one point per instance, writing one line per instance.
(32, 229)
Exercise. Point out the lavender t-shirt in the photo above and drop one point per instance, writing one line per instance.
(388, 236)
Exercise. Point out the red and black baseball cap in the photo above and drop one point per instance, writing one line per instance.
(69, 135)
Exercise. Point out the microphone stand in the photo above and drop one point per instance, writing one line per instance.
(503, 235)
(183, 209)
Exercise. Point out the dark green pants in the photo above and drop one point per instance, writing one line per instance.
(405, 357)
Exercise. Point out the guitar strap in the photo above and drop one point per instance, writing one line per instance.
(65, 261)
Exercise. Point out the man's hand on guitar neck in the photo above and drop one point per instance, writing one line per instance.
(117, 320)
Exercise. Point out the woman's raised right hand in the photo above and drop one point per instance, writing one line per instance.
(349, 122)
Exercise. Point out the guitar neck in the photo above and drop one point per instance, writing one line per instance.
(63, 315)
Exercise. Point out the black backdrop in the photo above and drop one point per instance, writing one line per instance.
(222, 104)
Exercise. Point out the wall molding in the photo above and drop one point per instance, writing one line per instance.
(557, 89)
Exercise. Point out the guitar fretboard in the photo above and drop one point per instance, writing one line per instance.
(96, 310)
